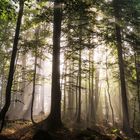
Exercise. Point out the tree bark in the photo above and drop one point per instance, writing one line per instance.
(54, 119)
(137, 78)
(126, 125)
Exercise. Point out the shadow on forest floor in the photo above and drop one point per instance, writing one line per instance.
(24, 130)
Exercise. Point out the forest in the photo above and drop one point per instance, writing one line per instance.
(69, 69)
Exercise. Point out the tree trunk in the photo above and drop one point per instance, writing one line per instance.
(89, 86)
(65, 81)
(137, 77)
(34, 85)
(76, 94)
(134, 113)
(12, 65)
(79, 88)
(86, 97)
(70, 90)
(54, 119)
(108, 90)
(92, 88)
(126, 125)
(2, 83)
(96, 92)
(42, 88)
(106, 108)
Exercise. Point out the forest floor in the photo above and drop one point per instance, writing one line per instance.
(24, 130)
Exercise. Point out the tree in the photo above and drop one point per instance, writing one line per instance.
(12, 65)
(34, 79)
(54, 119)
(108, 88)
(117, 8)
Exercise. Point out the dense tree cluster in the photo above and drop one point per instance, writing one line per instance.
(95, 49)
